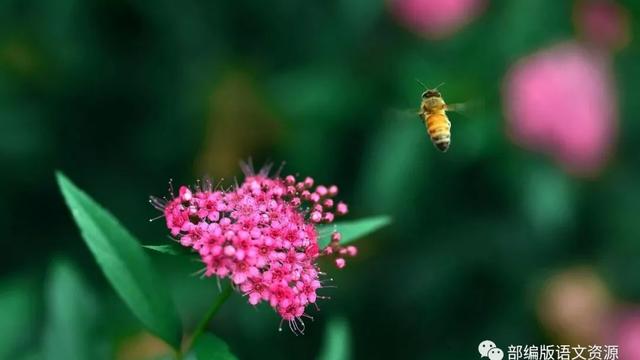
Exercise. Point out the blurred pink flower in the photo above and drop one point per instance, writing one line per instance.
(574, 304)
(602, 23)
(435, 19)
(560, 101)
(626, 334)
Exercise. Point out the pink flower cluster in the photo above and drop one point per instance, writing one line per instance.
(262, 235)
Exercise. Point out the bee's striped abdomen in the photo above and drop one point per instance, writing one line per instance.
(439, 129)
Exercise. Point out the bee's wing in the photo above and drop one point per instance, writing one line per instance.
(466, 108)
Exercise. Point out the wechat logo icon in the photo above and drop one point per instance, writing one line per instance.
(489, 350)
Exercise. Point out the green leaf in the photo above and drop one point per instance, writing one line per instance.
(337, 341)
(71, 316)
(351, 230)
(169, 249)
(124, 263)
(209, 347)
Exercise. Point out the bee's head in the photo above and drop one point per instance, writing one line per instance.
(431, 93)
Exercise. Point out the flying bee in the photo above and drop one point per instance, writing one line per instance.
(433, 114)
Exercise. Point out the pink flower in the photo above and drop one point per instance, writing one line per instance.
(603, 23)
(436, 19)
(257, 289)
(561, 102)
(262, 235)
(626, 335)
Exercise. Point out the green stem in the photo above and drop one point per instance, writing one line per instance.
(222, 297)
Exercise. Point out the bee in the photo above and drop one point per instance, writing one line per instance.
(433, 114)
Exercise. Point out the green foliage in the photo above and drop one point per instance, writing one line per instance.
(172, 248)
(337, 341)
(124, 263)
(548, 199)
(17, 311)
(71, 316)
(210, 347)
(400, 147)
(351, 230)
(128, 94)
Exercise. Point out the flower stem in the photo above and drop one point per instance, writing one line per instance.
(222, 297)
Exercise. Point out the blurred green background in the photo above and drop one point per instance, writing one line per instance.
(123, 95)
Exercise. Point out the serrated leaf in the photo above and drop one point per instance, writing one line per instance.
(169, 249)
(210, 347)
(337, 341)
(124, 263)
(351, 230)
(71, 316)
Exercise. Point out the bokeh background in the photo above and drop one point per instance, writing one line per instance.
(525, 232)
